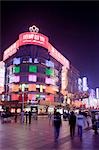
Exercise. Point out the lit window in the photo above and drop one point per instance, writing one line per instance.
(14, 96)
(49, 72)
(49, 64)
(37, 86)
(17, 79)
(32, 87)
(14, 79)
(31, 96)
(16, 69)
(32, 68)
(37, 96)
(15, 88)
(16, 61)
(36, 60)
(30, 60)
(32, 78)
(47, 80)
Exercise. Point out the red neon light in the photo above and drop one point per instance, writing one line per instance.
(36, 39)
(58, 56)
(11, 50)
(33, 38)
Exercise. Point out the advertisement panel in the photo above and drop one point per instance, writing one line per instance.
(2, 76)
(33, 38)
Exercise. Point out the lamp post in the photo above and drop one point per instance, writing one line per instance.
(23, 86)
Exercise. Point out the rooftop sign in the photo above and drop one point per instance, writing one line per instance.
(35, 38)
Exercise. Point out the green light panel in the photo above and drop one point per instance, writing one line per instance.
(49, 72)
(37, 96)
(16, 69)
(32, 68)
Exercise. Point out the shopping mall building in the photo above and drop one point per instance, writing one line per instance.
(45, 75)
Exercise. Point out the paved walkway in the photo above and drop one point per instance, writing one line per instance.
(39, 136)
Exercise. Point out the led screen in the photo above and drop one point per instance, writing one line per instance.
(15, 87)
(32, 68)
(16, 61)
(16, 69)
(49, 72)
(32, 78)
(32, 87)
(14, 96)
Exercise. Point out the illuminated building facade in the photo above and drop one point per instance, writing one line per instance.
(33, 61)
(73, 76)
(2, 74)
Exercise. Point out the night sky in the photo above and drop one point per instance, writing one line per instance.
(72, 28)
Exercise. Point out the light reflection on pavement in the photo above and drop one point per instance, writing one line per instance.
(39, 136)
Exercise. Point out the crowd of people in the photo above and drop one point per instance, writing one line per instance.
(80, 121)
(25, 117)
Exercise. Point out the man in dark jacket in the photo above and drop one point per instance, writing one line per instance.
(30, 114)
(72, 123)
(57, 124)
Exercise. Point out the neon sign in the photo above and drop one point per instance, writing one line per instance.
(33, 38)
(11, 50)
(58, 56)
(2, 76)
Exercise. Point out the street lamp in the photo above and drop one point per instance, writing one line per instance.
(23, 86)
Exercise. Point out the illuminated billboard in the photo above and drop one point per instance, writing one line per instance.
(2, 76)
(84, 84)
(35, 39)
(11, 50)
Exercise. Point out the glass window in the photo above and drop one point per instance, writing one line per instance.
(32, 78)
(49, 72)
(25, 59)
(24, 78)
(30, 60)
(16, 69)
(15, 87)
(16, 61)
(41, 69)
(41, 79)
(14, 79)
(32, 68)
(14, 96)
(24, 68)
(32, 87)
(36, 60)
(49, 64)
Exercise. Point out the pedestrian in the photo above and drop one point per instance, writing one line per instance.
(72, 123)
(22, 117)
(96, 122)
(30, 114)
(26, 113)
(50, 117)
(15, 116)
(80, 124)
(57, 124)
(89, 121)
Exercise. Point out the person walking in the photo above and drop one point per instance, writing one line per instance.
(26, 113)
(96, 123)
(72, 123)
(57, 124)
(30, 114)
(15, 116)
(22, 117)
(80, 124)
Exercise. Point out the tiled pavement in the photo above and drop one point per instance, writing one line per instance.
(39, 136)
